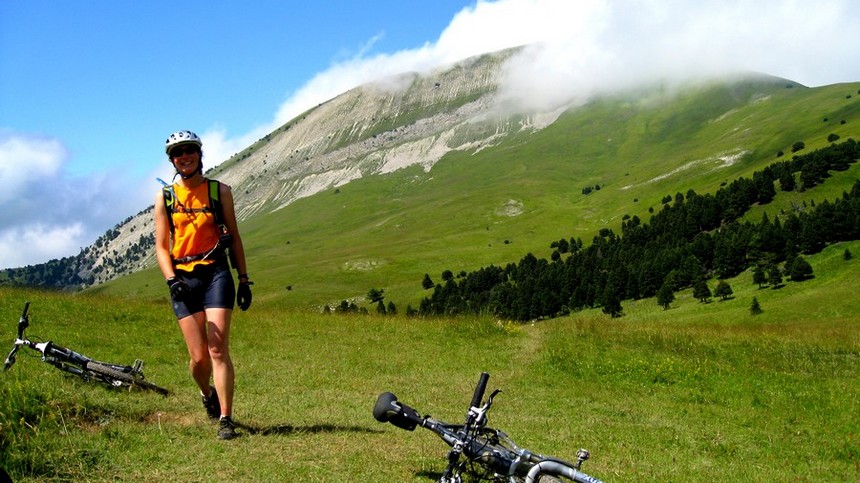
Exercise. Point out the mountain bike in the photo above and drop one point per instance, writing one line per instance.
(113, 375)
(479, 452)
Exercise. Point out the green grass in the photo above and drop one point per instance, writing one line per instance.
(694, 393)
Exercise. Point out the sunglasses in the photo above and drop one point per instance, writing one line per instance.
(179, 151)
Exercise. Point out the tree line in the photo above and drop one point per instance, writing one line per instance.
(692, 238)
(80, 271)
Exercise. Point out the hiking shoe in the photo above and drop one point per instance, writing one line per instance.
(226, 428)
(211, 404)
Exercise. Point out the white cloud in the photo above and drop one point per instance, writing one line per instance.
(592, 47)
(25, 160)
(580, 47)
(37, 243)
(348, 74)
(218, 147)
(46, 213)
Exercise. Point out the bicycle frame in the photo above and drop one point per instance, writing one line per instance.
(75, 363)
(488, 447)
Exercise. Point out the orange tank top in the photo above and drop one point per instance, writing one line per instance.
(194, 231)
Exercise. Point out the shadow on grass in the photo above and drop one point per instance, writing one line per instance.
(285, 429)
(430, 475)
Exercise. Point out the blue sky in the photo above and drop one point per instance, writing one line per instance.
(89, 90)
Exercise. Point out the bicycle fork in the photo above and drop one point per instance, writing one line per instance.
(453, 459)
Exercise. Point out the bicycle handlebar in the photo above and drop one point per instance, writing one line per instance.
(478, 396)
(10, 359)
(389, 410)
(479, 443)
(24, 321)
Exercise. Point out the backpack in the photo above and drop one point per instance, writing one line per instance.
(225, 238)
(214, 202)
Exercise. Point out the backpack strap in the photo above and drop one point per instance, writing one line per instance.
(215, 201)
(169, 204)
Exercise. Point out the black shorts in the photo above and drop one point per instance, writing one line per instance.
(211, 287)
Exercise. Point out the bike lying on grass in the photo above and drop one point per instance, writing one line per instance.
(480, 452)
(114, 375)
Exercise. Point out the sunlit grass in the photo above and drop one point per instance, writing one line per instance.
(688, 394)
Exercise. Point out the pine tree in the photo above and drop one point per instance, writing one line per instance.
(800, 270)
(665, 296)
(427, 283)
(759, 276)
(755, 308)
(701, 291)
(774, 277)
(376, 295)
(611, 304)
(723, 290)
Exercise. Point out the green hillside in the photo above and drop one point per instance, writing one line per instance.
(496, 205)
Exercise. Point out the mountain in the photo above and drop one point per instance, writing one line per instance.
(426, 172)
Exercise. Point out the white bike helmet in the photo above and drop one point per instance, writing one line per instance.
(181, 137)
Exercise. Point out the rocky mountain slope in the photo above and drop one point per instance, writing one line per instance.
(414, 118)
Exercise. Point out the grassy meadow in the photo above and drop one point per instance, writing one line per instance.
(695, 393)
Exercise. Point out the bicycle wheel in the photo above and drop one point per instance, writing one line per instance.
(119, 378)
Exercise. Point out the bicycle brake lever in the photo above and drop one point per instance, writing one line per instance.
(479, 415)
(490, 400)
(10, 359)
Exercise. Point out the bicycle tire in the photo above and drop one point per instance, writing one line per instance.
(110, 375)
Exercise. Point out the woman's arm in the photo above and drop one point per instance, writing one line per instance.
(237, 249)
(162, 237)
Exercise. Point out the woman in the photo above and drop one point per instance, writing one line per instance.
(192, 234)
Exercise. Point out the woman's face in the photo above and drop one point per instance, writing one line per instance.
(185, 158)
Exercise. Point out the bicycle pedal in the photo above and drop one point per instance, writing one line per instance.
(137, 367)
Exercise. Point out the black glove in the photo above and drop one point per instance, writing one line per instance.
(178, 288)
(243, 295)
